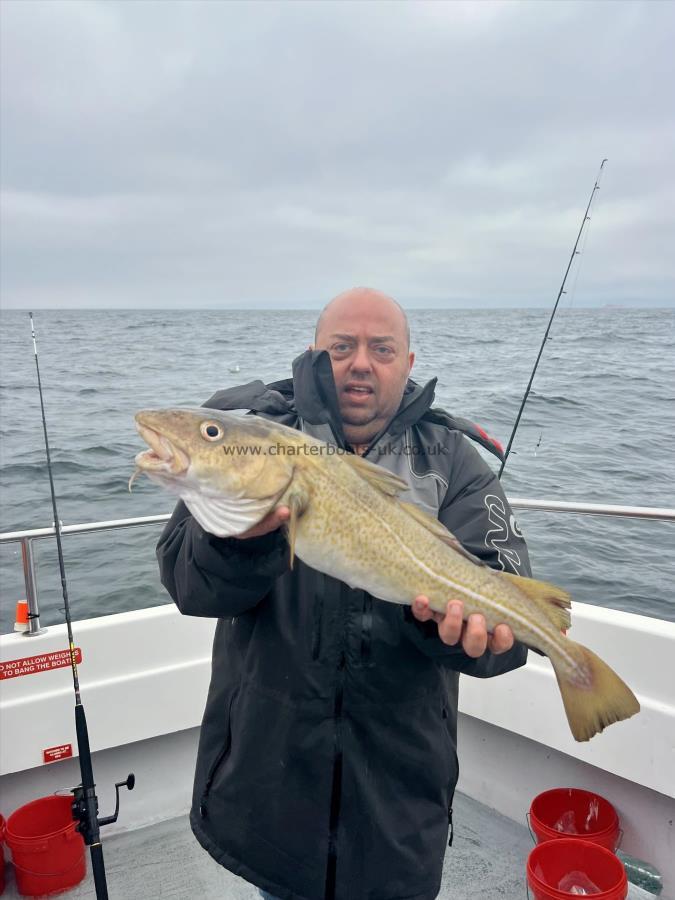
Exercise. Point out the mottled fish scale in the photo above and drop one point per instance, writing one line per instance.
(347, 522)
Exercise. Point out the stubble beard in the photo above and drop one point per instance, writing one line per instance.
(360, 426)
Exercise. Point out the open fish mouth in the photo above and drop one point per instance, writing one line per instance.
(163, 457)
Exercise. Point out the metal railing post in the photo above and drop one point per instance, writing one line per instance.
(30, 582)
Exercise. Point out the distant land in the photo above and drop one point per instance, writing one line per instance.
(267, 305)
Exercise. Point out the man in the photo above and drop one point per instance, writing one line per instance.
(327, 758)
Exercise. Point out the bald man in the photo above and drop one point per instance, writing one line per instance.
(327, 758)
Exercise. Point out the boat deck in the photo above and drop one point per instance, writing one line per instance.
(164, 861)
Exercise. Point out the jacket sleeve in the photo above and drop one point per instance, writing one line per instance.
(477, 512)
(210, 576)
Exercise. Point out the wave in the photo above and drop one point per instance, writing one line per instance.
(39, 469)
(556, 400)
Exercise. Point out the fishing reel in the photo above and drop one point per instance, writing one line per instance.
(85, 808)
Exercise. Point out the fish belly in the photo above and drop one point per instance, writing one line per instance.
(352, 569)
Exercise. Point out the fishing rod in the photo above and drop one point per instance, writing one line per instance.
(586, 218)
(85, 803)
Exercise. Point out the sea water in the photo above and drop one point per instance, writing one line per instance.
(598, 427)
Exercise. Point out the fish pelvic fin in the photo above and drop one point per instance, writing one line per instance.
(296, 501)
(593, 694)
(553, 601)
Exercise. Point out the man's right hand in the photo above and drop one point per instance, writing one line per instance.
(271, 522)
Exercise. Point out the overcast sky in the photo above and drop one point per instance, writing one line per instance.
(224, 154)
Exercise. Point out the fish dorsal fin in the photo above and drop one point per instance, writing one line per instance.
(439, 530)
(376, 476)
(553, 601)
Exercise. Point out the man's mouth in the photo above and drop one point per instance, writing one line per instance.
(358, 390)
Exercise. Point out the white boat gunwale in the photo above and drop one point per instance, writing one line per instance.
(154, 664)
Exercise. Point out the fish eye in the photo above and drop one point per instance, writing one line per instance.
(211, 431)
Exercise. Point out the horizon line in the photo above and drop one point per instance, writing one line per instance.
(611, 306)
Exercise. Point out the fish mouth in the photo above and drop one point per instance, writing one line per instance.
(163, 457)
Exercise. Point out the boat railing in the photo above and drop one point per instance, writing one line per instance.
(28, 538)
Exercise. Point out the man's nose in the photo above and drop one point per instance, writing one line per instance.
(361, 360)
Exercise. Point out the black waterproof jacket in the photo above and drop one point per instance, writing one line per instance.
(327, 757)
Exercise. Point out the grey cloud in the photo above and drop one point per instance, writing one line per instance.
(215, 153)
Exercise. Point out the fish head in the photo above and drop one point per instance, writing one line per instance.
(218, 462)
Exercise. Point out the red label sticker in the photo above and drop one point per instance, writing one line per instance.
(54, 754)
(29, 665)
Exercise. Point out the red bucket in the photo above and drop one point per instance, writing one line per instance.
(47, 851)
(569, 862)
(571, 812)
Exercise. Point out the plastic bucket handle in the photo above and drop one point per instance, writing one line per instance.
(36, 846)
(529, 828)
(33, 847)
(77, 862)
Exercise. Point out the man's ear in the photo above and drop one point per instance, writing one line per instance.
(411, 360)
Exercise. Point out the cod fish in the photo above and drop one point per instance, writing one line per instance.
(347, 520)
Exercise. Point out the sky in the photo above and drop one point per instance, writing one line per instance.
(272, 154)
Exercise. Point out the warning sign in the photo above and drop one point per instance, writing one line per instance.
(54, 754)
(30, 665)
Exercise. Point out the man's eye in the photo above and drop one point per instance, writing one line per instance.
(340, 348)
(383, 351)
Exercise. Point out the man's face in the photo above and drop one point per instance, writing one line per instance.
(368, 347)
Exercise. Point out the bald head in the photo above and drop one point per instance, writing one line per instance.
(366, 334)
(358, 299)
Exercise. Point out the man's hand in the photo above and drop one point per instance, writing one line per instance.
(271, 522)
(473, 635)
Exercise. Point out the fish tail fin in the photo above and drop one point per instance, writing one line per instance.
(593, 694)
(552, 600)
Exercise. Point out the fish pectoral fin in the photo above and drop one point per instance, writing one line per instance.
(553, 601)
(297, 501)
(376, 476)
(439, 530)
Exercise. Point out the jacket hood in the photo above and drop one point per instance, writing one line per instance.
(311, 394)
(316, 398)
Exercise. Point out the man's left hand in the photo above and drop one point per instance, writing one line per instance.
(472, 634)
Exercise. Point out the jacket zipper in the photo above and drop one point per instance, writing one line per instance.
(336, 787)
(366, 630)
(451, 827)
(318, 615)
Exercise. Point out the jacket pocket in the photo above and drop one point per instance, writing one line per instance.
(218, 761)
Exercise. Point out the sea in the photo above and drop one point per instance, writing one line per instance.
(599, 426)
